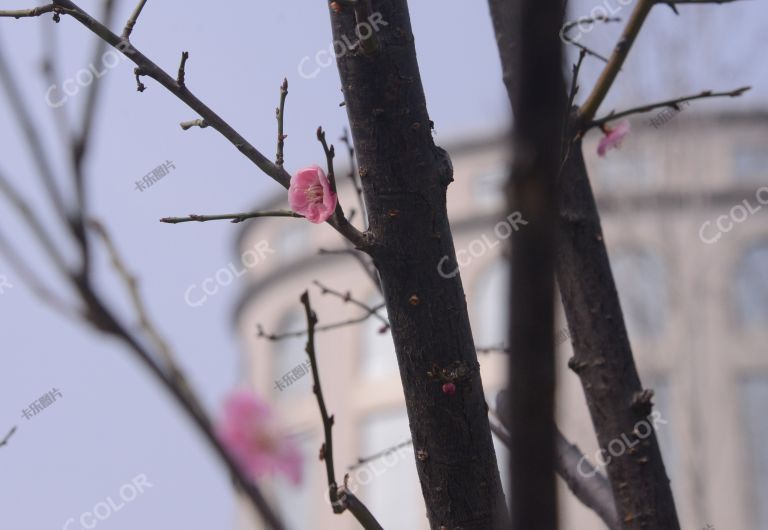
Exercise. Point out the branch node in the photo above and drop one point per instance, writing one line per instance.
(182, 73)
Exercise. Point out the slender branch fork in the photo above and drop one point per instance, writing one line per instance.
(672, 103)
(341, 498)
(621, 51)
(146, 67)
(94, 309)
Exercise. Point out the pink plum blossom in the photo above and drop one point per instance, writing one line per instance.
(310, 195)
(613, 137)
(248, 432)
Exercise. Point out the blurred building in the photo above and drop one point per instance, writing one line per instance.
(685, 214)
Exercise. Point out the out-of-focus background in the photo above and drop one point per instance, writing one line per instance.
(695, 294)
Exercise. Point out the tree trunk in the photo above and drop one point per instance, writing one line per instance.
(619, 406)
(405, 177)
(536, 72)
(602, 352)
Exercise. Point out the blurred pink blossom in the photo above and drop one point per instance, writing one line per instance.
(613, 137)
(310, 194)
(249, 433)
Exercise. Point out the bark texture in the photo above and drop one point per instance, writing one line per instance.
(404, 177)
(602, 352)
(603, 358)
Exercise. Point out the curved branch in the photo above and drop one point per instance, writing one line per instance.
(341, 498)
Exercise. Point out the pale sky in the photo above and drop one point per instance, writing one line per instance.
(113, 422)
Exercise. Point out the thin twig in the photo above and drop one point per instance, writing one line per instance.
(80, 143)
(348, 298)
(33, 138)
(38, 287)
(341, 498)
(330, 154)
(326, 327)
(673, 103)
(180, 77)
(280, 114)
(28, 215)
(361, 461)
(145, 67)
(7, 437)
(132, 20)
(132, 287)
(171, 365)
(620, 52)
(232, 217)
(34, 12)
(586, 20)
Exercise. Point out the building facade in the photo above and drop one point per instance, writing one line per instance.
(684, 206)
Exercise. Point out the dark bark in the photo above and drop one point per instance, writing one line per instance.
(536, 74)
(602, 352)
(404, 177)
(603, 357)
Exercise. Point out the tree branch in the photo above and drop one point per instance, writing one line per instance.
(233, 217)
(673, 103)
(346, 297)
(7, 437)
(620, 52)
(586, 483)
(341, 498)
(180, 77)
(280, 114)
(145, 67)
(132, 20)
(588, 20)
(34, 12)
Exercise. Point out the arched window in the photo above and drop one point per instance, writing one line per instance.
(491, 306)
(389, 485)
(751, 286)
(290, 365)
(640, 280)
